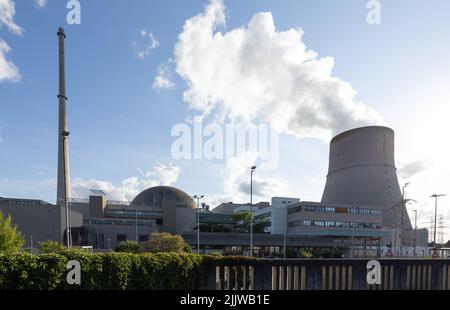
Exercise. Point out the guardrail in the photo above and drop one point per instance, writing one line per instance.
(328, 274)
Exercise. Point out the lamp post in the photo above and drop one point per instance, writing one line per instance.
(402, 217)
(284, 237)
(415, 231)
(65, 134)
(136, 222)
(198, 221)
(435, 196)
(252, 169)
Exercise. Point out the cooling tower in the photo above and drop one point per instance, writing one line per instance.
(362, 171)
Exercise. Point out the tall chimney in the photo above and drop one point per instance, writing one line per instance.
(63, 187)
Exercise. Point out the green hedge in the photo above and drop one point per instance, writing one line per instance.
(118, 271)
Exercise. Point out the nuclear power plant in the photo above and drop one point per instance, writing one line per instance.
(361, 170)
(362, 209)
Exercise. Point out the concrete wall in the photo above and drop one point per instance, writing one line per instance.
(111, 232)
(38, 221)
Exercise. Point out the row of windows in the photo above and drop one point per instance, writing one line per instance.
(133, 213)
(328, 209)
(334, 224)
(214, 216)
(294, 209)
(26, 202)
(122, 223)
(363, 211)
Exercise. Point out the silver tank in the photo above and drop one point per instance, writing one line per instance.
(362, 171)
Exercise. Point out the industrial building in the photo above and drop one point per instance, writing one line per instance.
(362, 206)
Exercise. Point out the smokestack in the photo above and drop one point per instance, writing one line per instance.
(63, 187)
(362, 171)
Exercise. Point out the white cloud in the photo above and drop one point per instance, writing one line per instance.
(1, 137)
(146, 43)
(8, 71)
(165, 174)
(41, 3)
(162, 80)
(256, 73)
(236, 182)
(130, 187)
(7, 12)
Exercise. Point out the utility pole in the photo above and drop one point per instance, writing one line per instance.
(415, 231)
(198, 197)
(284, 238)
(435, 196)
(252, 169)
(402, 218)
(137, 240)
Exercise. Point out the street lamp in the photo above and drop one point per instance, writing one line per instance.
(415, 231)
(136, 222)
(402, 218)
(435, 196)
(65, 135)
(284, 237)
(198, 221)
(252, 169)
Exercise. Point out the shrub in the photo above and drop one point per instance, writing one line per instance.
(51, 246)
(127, 247)
(100, 271)
(28, 271)
(164, 242)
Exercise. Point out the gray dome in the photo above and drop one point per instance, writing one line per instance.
(154, 196)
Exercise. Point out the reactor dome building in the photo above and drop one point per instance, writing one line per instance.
(362, 171)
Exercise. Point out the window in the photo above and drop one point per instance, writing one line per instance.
(309, 208)
(121, 238)
(143, 238)
(294, 209)
(294, 223)
(319, 223)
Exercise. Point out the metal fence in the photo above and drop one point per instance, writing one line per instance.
(328, 274)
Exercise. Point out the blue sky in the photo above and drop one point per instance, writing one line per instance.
(120, 123)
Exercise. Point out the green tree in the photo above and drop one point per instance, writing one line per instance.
(242, 225)
(164, 242)
(11, 239)
(187, 248)
(128, 246)
(50, 246)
